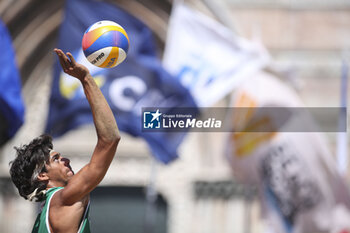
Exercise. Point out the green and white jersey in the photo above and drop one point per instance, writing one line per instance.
(41, 224)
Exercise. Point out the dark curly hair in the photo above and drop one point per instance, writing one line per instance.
(30, 161)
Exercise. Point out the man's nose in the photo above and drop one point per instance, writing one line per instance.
(66, 161)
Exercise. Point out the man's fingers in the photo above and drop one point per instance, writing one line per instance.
(60, 58)
(71, 58)
(65, 63)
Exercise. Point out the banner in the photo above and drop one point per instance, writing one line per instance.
(11, 103)
(206, 57)
(140, 81)
(299, 185)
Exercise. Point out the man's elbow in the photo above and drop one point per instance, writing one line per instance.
(112, 139)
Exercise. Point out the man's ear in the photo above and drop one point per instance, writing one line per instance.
(43, 176)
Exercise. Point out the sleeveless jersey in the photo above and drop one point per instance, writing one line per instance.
(41, 224)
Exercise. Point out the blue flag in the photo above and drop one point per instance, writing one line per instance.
(11, 104)
(140, 81)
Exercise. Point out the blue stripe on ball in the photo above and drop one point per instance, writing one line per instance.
(108, 39)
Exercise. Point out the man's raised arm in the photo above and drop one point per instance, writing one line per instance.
(107, 131)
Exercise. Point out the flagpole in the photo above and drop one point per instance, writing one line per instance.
(151, 197)
(342, 150)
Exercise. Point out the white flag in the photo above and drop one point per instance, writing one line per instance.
(299, 185)
(208, 59)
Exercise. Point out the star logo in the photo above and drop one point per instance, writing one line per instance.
(156, 115)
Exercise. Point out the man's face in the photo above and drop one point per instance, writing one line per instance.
(58, 169)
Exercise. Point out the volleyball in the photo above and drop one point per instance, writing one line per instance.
(105, 44)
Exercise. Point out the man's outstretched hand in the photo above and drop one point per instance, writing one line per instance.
(70, 66)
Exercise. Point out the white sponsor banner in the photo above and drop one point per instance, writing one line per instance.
(207, 57)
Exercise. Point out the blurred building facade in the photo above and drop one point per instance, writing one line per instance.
(196, 193)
